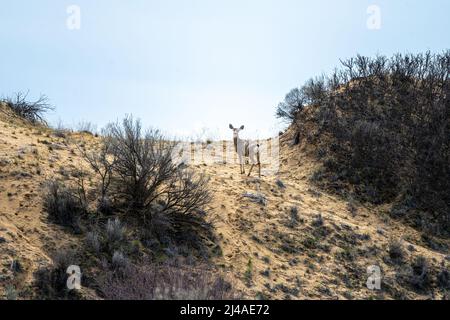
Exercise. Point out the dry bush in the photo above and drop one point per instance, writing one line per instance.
(396, 251)
(418, 274)
(115, 231)
(136, 171)
(51, 282)
(381, 129)
(142, 163)
(185, 192)
(60, 130)
(63, 206)
(443, 279)
(102, 163)
(104, 241)
(293, 218)
(32, 111)
(92, 242)
(168, 281)
(144, 176)
(119, 261)
(86, 127)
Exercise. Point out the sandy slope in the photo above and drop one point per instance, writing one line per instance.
(28, 157)
(262, 251)
(297, 268)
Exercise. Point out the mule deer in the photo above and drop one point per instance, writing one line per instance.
(244, 149)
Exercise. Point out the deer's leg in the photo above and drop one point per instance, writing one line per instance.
(258, 158)
(241, 163)
(251, 168)
(254, 160)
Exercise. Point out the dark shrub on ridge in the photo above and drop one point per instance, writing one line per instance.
(382, 126)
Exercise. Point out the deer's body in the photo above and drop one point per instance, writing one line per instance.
(246, 149)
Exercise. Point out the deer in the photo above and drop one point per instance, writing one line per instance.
(244, 149)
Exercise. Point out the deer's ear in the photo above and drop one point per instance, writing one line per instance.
(231, 127)
(242, 127)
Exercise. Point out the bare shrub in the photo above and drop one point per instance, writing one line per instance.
(32, 111)
(182, 232)
(185, 192)
(137, 172)
(62, 206)
(102, 163)
(143, 173)
(396, 251)
(93, 241)
(51, 282)
(293, 217)
(418, 274)
(381, 128)
(105, 206)
(108, 241)
(115, 232)
(161, 228)
(167, 281)
(318, 221)
(86, 127)
(60, 130)
(291, 106)
(142, 163)
(443, 279)
(119, 261)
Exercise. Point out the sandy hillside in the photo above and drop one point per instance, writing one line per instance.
(28, 157)
(301, 243)
(310, 259)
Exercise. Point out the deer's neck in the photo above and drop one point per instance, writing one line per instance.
(239, 144)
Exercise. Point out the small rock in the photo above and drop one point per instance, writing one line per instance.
(258, 198)
(23, 175)
(56, 146)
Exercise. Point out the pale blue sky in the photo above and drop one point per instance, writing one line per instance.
(184, 65)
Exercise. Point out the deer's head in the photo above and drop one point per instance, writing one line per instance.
(236, 131)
